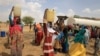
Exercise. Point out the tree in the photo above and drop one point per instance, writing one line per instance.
(7, 21)
(93, 18)
(0, 21)
(76, 16)
(28, 20)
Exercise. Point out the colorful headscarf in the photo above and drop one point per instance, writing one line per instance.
(80, 36)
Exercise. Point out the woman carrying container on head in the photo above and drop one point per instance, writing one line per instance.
(65, 44)
(48, 45)
(15, 35)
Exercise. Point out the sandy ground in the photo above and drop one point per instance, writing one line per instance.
(30, 49)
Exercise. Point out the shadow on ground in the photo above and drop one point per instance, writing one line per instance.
(7, 45)
(30, 55)
(5, 54)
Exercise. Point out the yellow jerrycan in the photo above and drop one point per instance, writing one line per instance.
(49, 15)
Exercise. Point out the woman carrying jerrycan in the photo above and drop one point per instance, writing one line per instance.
(15, 31)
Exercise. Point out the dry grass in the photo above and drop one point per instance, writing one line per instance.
(29, 49)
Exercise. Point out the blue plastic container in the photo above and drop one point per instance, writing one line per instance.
(3, 33)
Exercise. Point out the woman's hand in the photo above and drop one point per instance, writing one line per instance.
(12, 8)
(56, 33)
(44, 21)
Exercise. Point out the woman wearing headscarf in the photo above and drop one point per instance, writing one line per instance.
(48, 45)
(65, 45)
(15, 35)
(98, 35)
(39, 34)
(78, 48)
(97, 42)
(86, 36)
(57, 44)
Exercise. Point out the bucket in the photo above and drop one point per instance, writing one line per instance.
(17, 10)
(3, 33)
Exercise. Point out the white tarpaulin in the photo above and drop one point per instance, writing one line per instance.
(87, 22)
(83, 21)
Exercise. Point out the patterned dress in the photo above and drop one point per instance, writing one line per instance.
(39, 35)
(48, 46)
(16, 37)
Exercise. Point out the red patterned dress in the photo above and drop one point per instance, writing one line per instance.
(39, 34)
(16, 37)
(48, 45)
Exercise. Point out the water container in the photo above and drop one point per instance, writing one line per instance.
(70, 21)
(3, 33)
(49, 15)
(17, 10)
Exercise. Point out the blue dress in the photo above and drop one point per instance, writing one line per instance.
(65, 45)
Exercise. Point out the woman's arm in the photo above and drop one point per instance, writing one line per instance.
(10, 16)
(45, 26)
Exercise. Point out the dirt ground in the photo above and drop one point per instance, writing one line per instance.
(29, 48)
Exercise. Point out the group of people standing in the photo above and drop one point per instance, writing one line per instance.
(57, 38)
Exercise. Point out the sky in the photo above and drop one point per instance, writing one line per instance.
(36, 8)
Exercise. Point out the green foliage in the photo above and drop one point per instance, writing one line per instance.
(0, 21)
(7, 21)
(28, 20)
(93, 18)
(76, 16)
